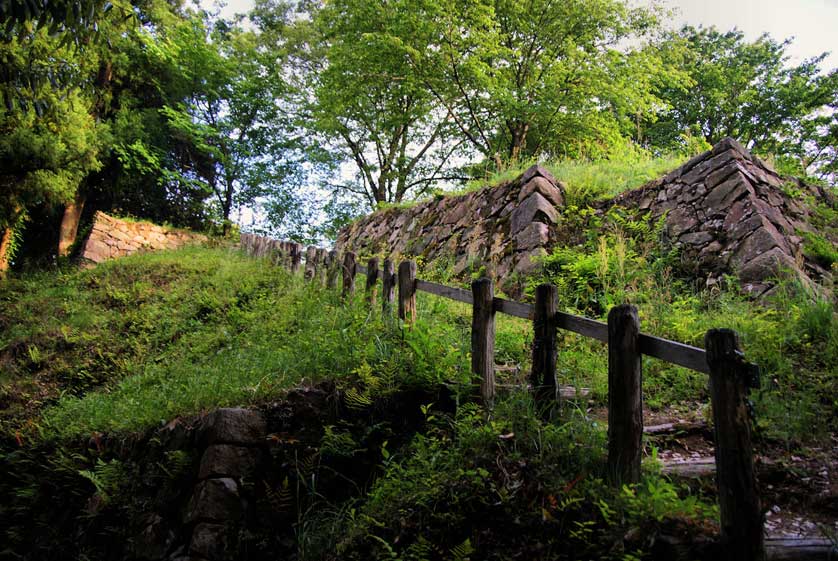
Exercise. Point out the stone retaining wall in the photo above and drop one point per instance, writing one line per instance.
(112, 237)
(726, 211)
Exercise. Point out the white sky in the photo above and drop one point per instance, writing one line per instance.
(812, 23)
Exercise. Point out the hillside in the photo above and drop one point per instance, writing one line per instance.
(370, 446)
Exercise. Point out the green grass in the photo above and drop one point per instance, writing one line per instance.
(590, 180)
(138, 341)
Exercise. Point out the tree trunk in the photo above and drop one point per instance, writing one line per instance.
(5, 245)
(70, 224)
(519, 141)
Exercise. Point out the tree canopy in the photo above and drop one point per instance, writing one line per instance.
(304, 113)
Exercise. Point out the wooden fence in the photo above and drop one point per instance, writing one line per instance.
(730, 376)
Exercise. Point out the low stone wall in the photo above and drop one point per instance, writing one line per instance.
(728, 213)
(725, 210)
(112, 237)
(503, 227)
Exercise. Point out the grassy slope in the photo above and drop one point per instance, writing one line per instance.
(137, 341)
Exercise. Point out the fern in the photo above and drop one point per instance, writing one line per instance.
(357, 400)
(281, 499)
(462, 551)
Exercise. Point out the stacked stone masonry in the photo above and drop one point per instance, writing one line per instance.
(725, 210)
(111, 238)
(233, 442)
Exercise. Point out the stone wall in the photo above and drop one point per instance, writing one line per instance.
(112, 237)
(725, 210)
(503, 227)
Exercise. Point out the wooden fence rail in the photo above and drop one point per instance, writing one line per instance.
(730, 376)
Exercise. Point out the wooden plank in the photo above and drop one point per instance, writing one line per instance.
(583, 326)
(625, 396)
(449, 292)
(332, 269)
(296, 257)
(350, 269)
(483, 338)
(388, 290)
(407, 291)
(799, 549)
(544, 347)
(681, 428)
(512, 308)
(372, 280)
(321, 265)
(676, 353)
(311, 263)
(691, 468)
(739, 503)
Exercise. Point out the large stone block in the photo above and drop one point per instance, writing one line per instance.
(767, 265)
(535, 207)
(214, 500)
(233, 426)
(762, 240)
(216, 542)
(540, 185)
(536, 171)
(537, 234)
(227, 460)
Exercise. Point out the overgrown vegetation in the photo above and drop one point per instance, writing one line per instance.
(138, 341)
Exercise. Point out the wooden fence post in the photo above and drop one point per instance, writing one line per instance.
(372, 280)
(287, 251)
(311, 263)
(332, 269)
(625, 395)
(407, 291)
(349, 272)
(483, 338)
(739, 504)
(544, 347)
(388, 290)
(296, 257)
(322, 265)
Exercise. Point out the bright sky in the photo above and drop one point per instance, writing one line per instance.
(812, 23)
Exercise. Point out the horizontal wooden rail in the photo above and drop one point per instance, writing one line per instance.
(674, 352)
(449, 292)
(739, 503)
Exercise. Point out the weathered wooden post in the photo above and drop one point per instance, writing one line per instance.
(321, 265)
(311, 263)
(287, 250)
(276, 252)
(372, 280)
(544, 347)
(349, 271)
(332, 269)
(625, 395)
(388, 289)
(407, 291)
(296, 257)
(483, 338)
(739, 504)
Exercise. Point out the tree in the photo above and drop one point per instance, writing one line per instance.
(369, 97)
(230, 121)
(48, 140)
(745, 90)
(523, 79)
